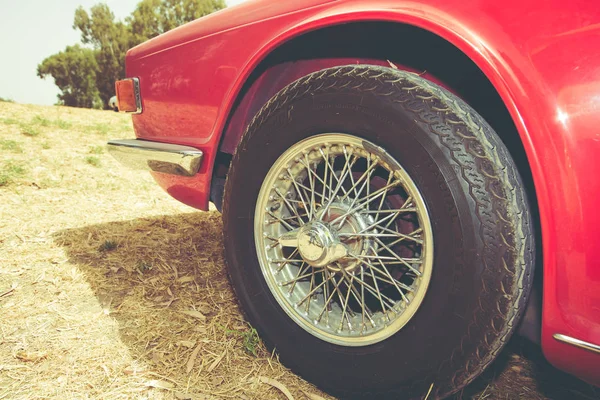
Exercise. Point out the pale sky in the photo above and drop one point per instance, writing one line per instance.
(31, 30)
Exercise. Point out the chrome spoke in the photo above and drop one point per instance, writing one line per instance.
(377, 292)
(366, 175)
(347, 168)
(381, 202)
(390, 217)
(295, 183)
(360, 298)
(326, 168)
(384, 258)
(312, 188)
(286, 261)
(400, 210)
(385, 278)
(384, 190)
(310, 294)
(289, 206)
(308, 192)
(317, 177)
(312, 284)
(357, 198)
(398, 258)
(370, 235)
(326, 299)
(400, 235)
(283, 222)
(343, 304)
(393, 281)
(366, 200)
(295, 280)
(287, 219)
(331, 176)
(406, 237)
(353, 184)
(374, 290)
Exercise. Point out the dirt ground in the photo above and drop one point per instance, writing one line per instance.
(110, 289)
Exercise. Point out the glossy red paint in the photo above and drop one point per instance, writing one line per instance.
(539, 56)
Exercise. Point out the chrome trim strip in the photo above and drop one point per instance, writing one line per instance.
(138, 96)
(157, 157)
(576, 342)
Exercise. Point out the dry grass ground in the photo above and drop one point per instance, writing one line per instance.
(110, 289)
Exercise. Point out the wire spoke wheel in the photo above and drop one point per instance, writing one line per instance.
(343, 239)
(391, 265)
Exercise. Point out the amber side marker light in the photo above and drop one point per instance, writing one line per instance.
(129, 98)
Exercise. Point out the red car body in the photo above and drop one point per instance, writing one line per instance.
(201, 84)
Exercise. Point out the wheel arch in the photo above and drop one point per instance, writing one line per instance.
(444, 27)
(251, 89)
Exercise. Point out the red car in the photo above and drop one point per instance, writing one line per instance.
(395, 177)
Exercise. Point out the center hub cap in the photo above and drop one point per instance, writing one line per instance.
(318, 244)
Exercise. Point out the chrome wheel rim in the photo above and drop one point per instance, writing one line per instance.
(343, 239)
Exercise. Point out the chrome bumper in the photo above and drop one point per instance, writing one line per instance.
(157, 157)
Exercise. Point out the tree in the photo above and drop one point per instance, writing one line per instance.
(74, 71)
(154, 17)
(108, 40)
(145, 20)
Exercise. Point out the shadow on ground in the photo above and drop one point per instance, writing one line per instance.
(150, 273)
(522, 372)
(162, 279)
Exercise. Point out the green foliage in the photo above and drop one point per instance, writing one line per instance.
(154, 17)
(143, 266)
(108, 245)
(110, 40)
(29, 130)
(96, 149)
(11, 171)
(6, 100)
(62, 124)
(250, 339)
(102, 62)
(102, 129)
(45, 122)
(75, 73)
(10, 121)
(95, 161)
(10, 145)
(39, 120)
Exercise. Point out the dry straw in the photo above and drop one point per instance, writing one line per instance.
(109, 288)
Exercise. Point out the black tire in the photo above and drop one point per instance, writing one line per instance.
(484, 243)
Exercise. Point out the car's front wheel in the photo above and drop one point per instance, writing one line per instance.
(377, 234)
